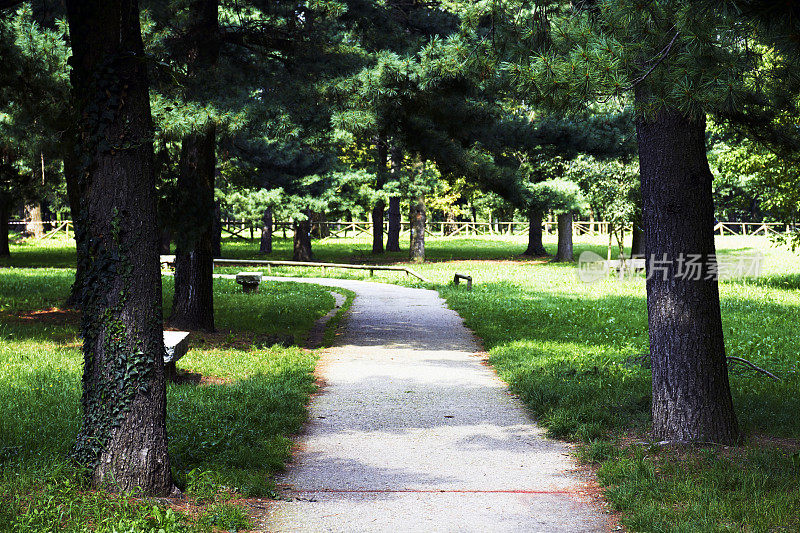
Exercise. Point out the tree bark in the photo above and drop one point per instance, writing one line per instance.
(265, 246)
(393, 236)
(395, 222)
(302, 240)
(417, 217)
(691, 393)
(123, 435)
(166, 241)
(35, 226)
(564, 252)
(637, 239)
(535, 246)
(5, 214)
(74, 196)
(193, 303)
(216, 231)
(380, 205)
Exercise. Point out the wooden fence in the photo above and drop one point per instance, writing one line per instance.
(331, 230)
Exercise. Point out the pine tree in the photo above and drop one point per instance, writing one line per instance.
(678, 61)
(123, 435)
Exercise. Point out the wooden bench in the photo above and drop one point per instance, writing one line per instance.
(176, 344)
(458, 277)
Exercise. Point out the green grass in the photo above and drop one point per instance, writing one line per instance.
(229, 432)
(567, 349)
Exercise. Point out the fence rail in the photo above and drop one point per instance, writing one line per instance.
(246, 230)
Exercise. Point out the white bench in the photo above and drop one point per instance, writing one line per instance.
(176, 344)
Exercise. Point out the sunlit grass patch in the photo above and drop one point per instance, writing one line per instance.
(231, 431)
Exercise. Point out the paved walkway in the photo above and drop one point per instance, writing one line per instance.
(412, 433)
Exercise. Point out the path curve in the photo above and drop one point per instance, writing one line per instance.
(411, 432)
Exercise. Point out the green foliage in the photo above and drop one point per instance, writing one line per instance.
(611, 188)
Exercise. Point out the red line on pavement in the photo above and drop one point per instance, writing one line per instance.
(433, 491)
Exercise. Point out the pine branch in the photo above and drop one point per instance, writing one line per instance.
(663, 55)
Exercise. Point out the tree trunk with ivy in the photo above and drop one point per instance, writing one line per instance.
(535, 246)
(691, 394)
(123, 436)
(564, 252)
(193, 303)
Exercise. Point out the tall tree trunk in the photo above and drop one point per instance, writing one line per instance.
(302, 239)
(166, 241)
(564, 252)
(216, 231)
(193, 303)
(265, 246)
(691, 393)
(74, 195)
(637, 239)
(35, 226)
(123, 436)
(417, 217)
(535, 246)
(393, 236)
(395, 222)
(5, 214)
(380, 205)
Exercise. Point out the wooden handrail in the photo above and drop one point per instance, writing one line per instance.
(170, 259)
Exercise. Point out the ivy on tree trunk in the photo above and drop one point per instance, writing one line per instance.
(123, 436)
(691, 394)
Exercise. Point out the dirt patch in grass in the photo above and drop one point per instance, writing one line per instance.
(53, 317)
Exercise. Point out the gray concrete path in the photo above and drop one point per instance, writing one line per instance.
(412, 433)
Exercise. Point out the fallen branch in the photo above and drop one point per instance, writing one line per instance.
(754, 367)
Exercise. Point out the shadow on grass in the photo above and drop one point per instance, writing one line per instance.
(237, 430)
(570, 358)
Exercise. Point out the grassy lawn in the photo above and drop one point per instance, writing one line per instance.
(238, 399)
(569, 349)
